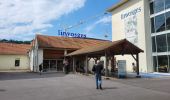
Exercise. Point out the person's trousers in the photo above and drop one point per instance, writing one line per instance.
(98, 80)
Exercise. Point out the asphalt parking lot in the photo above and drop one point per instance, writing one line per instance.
(58, 86)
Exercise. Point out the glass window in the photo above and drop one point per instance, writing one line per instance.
(17, 62)
(151, 8)
(158, 5)
(160, 23)
(169, 64)
(168, 20)
(152, 25)
(168, 37)
(163, 63)
(161, 43)
(153, 45)
(167, 4)
(155, 63)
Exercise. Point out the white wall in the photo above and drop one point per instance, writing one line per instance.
(118, 32)
(40, 56)
(31, 55)
(37, 56)
(7, 62)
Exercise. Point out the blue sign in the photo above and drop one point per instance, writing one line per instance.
(69, 34)
(133, 12)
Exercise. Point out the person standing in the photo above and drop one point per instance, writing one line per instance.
(97, 69)
(66, 66)
(134, 67)
(40, 68)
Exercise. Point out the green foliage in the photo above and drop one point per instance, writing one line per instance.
(15, 41)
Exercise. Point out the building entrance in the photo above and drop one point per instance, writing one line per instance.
(53, 65)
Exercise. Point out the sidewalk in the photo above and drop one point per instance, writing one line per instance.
(150, 75)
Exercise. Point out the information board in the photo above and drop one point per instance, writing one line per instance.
(122, 68)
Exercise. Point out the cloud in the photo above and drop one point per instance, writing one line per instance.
(20, 17)
(103, 20)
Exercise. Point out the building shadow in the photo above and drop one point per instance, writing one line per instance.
(28, 75)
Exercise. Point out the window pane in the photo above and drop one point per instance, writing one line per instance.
(158, 5)
(160, 23)
(152, 25)
(17, 63)
(153, 45)
(162, 63)
(155, 64)
(168, 37)
(161, 43)
(169, 65)
(151, 8)
(167, 4)
(168, 20)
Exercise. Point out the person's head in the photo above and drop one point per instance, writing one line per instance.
(133, 63)
(98, 61)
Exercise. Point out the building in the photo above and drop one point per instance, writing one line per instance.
(145, 23)
(50, 51)
(14, 56)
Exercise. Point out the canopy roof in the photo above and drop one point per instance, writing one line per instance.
(113, 48)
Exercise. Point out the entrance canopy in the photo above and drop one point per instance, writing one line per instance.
(109, 50)
(119, 47)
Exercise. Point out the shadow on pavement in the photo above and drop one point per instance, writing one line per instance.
(28, 75)
(108, 88)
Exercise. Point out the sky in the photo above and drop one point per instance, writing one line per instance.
(23, 19)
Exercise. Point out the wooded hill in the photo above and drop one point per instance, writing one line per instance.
(15, 41)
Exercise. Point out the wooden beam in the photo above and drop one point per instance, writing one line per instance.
(86, 64)
(137, 65)
(74, 65)
(106, 67)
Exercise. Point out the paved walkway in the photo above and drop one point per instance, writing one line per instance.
(32, 86)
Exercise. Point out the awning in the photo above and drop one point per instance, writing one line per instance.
(116, 48)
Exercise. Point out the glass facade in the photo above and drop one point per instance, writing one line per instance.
(153, 44)
(167, 4)
(160, 23)
(163, 63)
(161, 43)
(167, 15)
(160, 27)
(157, 6)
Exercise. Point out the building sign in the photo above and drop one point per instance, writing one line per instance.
(130, 23)
(131, 13)
(69, 34)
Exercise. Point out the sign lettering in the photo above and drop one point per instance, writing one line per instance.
(68, 34)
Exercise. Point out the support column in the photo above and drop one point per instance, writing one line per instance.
(86, 64)
(106, 67)
(74, 65)
(137, 66)
(65, 52)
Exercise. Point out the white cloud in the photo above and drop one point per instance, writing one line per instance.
(18, 17)
(103, 20)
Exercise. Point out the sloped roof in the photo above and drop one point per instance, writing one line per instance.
(117, 47)
(14, 49)
(115, 6)
(67, 42)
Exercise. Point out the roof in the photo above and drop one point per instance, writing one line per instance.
(14, 49)
(67, 42)
(116, 47)
(122, 2)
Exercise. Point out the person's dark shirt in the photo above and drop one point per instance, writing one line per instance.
(97, 68)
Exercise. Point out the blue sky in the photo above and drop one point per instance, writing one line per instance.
(22, 19)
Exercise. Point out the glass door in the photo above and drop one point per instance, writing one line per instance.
(46, 64)
(53, 65)
(60, 65)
